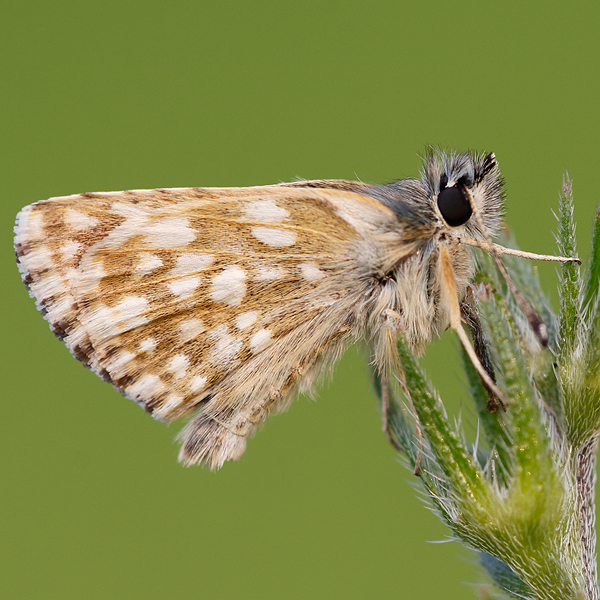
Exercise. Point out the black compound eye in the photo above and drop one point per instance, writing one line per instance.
(454, 206)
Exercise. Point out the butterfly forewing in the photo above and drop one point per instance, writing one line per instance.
(224, 300)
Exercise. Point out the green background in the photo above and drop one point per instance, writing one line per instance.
(118, 95)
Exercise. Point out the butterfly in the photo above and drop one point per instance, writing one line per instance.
(224, 303)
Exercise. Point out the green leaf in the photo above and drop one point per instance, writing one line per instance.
(528, 435)
(591, 309)
(580, 370)
(569, 282)
(493, 424)
(451, 456)
(592, 271)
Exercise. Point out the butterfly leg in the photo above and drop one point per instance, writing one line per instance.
(470, 317)
(451, 297)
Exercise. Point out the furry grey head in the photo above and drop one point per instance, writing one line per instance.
(452, 187)
(474, 177)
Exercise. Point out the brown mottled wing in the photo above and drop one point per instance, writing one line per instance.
(223, 300)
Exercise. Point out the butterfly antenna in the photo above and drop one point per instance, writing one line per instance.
(491, 247)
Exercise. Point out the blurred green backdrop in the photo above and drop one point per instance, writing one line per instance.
(119, 95)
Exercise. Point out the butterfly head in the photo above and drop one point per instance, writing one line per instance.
(465, 191)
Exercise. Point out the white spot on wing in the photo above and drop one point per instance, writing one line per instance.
(190, 328)
(70, 249)
(272, 236)
(130, 307)
(229, 286)
(178, 365)
(145, 387)
(170, 232)
(79, 221)
(246, 319)
(227, 347)
(184, 287)
(197, 384)
(269, 273)
(129, 211)
(266, 211)
(126, 315)
(148, 263)
(191, 262)
(148, 345)
(135, 219)
(311, 272)
(260, 340)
